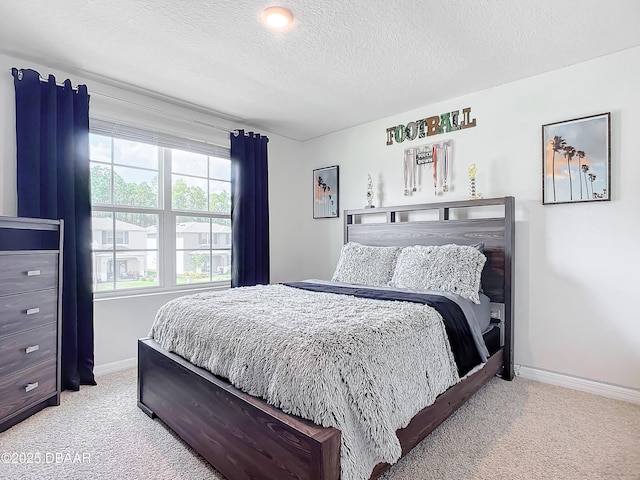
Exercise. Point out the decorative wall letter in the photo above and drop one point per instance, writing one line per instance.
(445, 124)
(433, 125)
(454, 120)
(420, 128)
(412, 130)
(390, 132)
(466, 123)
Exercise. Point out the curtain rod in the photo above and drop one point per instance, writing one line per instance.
(42, 79)
(156, 110)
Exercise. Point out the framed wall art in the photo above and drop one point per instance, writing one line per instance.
(325, 192)
(576, 160)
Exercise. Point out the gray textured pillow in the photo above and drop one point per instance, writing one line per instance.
(366, 265)
(446, 268)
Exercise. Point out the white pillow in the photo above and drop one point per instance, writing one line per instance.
(446, 268)
(366, 265)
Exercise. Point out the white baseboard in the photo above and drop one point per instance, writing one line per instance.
(604, 389)
(115, 366)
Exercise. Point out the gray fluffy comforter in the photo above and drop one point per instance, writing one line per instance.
(363, 366)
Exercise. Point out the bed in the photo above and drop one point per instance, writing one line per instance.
(246, 438)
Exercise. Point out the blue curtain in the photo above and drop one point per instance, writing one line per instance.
(52, 129)
(249, 210)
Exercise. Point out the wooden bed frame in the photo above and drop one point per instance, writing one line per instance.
(245, 438)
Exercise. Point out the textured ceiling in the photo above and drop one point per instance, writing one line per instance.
(341, 63)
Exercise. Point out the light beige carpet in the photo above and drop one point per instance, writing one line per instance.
(509, 430)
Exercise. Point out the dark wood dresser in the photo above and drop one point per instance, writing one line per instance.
(30, 316)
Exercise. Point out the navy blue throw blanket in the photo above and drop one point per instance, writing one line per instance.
(463, 347)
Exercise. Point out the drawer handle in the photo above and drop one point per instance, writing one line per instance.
(32, 348)
(31, 386)
(33, 311)
(33, 273)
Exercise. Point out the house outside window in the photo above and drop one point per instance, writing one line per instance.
(204, 238)
(155, 209)
(122, 237)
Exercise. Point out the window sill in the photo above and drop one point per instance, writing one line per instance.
(147, 292)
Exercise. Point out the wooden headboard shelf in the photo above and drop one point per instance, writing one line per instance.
(460, 222)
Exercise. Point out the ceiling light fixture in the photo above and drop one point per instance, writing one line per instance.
(276, 17)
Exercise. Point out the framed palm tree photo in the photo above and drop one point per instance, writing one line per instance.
(576, 160)
(325, 192)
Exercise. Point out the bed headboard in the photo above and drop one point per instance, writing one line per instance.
(468, 222)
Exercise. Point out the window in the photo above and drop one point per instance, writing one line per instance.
(158, 202)
(122, 237)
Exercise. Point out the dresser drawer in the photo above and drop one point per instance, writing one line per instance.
(27, 387)
(27, 272)
(25, 349)
(28, 310)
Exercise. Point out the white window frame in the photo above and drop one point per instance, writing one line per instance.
(166, 232)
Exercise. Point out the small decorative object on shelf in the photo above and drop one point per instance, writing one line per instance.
(472, 183)
(369, 193)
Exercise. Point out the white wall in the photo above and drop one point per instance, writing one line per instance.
(576, 265)
(119, 322)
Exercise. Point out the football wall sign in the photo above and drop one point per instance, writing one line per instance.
(427, 127)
